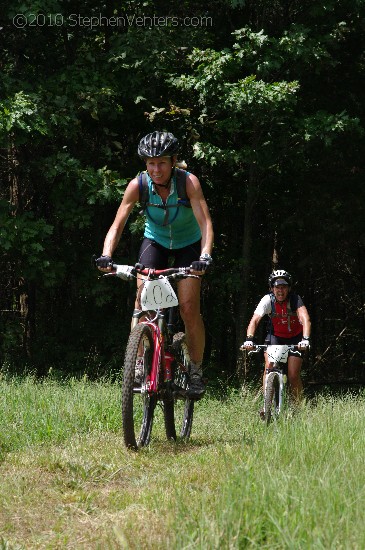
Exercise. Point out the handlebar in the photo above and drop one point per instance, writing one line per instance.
(257, 347)
(151, 273)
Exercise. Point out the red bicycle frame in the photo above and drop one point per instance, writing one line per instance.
(161, 359)
(160, 356)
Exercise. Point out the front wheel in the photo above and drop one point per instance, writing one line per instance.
(138, 406)
(179, 409)
(271, 397)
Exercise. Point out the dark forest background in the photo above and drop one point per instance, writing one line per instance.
(267, 99)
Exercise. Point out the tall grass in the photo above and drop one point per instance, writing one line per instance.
(68, 481)
(299, 484)
(51, 411)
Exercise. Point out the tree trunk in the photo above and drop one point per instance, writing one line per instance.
(243, 315)
(24, 293)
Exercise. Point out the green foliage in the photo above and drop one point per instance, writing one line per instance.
(100, 185)
(21, 112)
(267, 103)
(24, 236)
(326, 127)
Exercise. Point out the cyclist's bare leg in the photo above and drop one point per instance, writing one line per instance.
(137, 305)
(295, 381)
(189, 302)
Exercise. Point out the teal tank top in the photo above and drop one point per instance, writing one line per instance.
(173, 227)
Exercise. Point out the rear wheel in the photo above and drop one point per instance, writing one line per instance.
(271, 398)
(179, 411)
(137, 405)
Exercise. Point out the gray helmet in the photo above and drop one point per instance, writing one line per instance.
(158, 144)
(280, 274)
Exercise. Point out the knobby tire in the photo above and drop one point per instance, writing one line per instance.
(137, 408)
(179, 405)
(271, 396)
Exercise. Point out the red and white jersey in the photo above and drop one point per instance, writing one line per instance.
(283, 316)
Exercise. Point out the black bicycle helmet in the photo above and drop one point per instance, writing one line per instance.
(158, 144)
(280, 274)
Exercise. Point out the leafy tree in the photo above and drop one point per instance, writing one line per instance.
(270, 134)
(267, 100)
(74, 98)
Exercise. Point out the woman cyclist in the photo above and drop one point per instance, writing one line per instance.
(172, 229)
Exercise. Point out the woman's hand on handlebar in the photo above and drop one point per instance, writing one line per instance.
(199, 267)
(104, 263)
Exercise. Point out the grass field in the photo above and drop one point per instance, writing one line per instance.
(68, 482)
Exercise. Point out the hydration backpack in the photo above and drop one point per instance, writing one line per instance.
(291, 308)
(183, 199)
